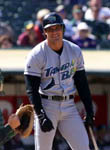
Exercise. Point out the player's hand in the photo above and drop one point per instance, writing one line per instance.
(89, 120)
(13, 121)
(45, 123)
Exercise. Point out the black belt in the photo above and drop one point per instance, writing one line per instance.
(58, 98)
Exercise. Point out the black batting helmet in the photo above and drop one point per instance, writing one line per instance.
(52, 19)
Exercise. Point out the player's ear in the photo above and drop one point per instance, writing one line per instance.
(45, 34)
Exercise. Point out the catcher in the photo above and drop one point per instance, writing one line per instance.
(19, 123)
(7, 131)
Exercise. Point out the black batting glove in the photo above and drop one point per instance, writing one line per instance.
(45, 123)
(89, 120)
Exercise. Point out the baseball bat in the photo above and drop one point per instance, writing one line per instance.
(93, 138)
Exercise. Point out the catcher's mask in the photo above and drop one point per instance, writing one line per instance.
(52, 19)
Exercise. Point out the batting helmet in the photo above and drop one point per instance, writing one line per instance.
(52, 19)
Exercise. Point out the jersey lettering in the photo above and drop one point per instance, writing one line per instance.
(66, 70)
(65, 66)
(65, 75)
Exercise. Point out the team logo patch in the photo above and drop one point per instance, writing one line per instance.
(52, 19)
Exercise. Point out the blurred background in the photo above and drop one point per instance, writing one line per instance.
(87, 24)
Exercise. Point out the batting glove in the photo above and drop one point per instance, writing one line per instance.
(89, 120)
(45, 123)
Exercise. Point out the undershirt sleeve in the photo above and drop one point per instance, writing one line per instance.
(32, 88)
(81, 84)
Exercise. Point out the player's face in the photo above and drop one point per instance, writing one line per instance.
(54, 33)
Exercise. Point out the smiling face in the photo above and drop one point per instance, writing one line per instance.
(54, 33)
(54, 36)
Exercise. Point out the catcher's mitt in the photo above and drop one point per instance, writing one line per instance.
(26, 116)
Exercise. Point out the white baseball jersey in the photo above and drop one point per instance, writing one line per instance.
(56, 71)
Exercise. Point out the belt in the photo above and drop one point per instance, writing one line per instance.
(58, 98)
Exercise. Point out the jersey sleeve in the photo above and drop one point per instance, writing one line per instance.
(33, 64)
(80, 61)
(6, 132)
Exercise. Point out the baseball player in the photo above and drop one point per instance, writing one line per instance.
(54, 70)
(7, 131)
